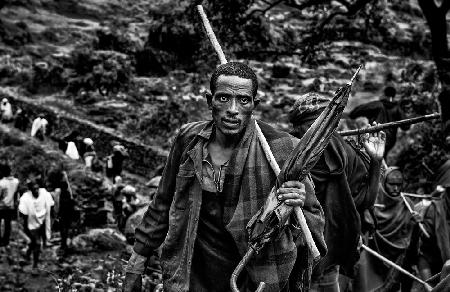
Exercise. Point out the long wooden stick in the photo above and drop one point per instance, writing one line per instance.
(211, 35)
(422, 228)
(429, 197)
(390, 125)
(395, 266)
(68, 184)
(298, 211)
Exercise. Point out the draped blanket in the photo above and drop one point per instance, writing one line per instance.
(173, 215)
(437, 222)
(248, 182)
(393, 237)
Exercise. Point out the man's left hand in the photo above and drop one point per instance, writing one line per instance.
(292, 193)
(374, 143)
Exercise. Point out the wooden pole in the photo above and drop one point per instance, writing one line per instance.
(390, 125)
(395, 266)
(422, 228)
(66, 178)
(211, 35)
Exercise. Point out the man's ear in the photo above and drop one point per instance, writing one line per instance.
(209, 99)
(256, 102)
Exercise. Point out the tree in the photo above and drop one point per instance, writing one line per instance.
(435, 12)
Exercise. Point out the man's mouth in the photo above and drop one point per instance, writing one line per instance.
(231, 122)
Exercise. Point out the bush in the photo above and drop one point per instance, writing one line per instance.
(47, 77)
(158, 124)
(178, 41)
(105, 71)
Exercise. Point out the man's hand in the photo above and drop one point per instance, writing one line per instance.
(374, 143)
(132, 283)
(292, 193)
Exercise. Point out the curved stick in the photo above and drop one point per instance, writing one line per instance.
(239, 269)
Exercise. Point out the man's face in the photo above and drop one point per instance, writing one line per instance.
(232, 104)
(394, 183)
(34, 189)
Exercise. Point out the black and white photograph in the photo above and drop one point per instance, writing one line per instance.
(224, 145)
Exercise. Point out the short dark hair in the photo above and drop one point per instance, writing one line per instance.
(234, 69)
(390, 91)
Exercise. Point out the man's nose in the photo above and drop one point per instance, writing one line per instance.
(232, 109)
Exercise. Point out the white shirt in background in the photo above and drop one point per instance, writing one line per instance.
(37, 209)
(8, 187)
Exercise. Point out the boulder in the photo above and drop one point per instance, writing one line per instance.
(101, 239)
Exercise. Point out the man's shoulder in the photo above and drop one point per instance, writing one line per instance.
(272, 133)
(190, 130)
(25, 197)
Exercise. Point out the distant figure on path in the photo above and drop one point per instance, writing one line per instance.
(35, 206)
(8, 201)
(114, 162)
(89, 154)
(6, 111)
(21, 120)
(39, 127)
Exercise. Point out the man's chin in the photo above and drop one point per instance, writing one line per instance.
(231, 132)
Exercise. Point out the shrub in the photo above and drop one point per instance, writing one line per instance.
(105, 71)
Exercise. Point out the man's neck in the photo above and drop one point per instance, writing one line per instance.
(221, 147)
(224, 141)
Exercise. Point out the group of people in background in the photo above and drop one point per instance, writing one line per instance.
(33, 208)
(41, 201)
(73, 145)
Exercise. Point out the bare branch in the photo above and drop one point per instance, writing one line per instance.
(263, 11)
(306, 4)
(352, 9)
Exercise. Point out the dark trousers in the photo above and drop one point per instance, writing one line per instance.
(35, 235)
(6, 215)
(64, 229)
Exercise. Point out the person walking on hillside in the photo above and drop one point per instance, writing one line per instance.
(39, 127)
(215, 179)
(6, 113)
(66, 213)
(396, 236)
(435, 250)
(8, 201)
(114, 162)
(21, 120)
(35, 206)
(346, 184)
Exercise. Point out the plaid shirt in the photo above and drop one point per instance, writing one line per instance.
(173, 215)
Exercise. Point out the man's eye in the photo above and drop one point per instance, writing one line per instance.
(244, 100)
(223, 98)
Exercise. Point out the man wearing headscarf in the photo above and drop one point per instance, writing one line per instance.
(435, 251)
(346, 183)
(395, 237)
